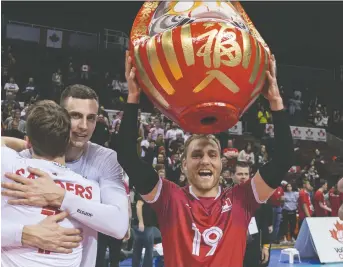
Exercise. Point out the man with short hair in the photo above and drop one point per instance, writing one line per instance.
(320, 207)
(305, 207)
(92, 161)
(48, 120)
(206, 223)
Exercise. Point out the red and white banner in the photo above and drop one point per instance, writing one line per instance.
(302, 133)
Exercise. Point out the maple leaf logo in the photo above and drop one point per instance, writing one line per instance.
(54, 38)
(321, 133)
(296, 131)
(309, 132)
(338, 233)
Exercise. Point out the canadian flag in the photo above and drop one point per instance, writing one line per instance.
(54, 38)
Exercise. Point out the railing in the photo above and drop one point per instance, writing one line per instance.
(50, 27)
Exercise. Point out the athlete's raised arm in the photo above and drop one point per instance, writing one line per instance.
(270, 175)
(142, 175)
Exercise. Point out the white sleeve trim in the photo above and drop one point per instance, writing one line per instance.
(159, 189)
(253, 186)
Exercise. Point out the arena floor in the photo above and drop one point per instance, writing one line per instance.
(274, 262)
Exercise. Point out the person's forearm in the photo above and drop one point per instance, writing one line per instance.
(11, 233)
(307, 213)
(92, 214)
(324, 206)
(142, 175)
(14, 143)
(274, 171)
(140, 213)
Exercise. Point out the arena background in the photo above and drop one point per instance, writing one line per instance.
(306, 38)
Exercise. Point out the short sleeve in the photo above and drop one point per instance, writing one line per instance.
(163, 196)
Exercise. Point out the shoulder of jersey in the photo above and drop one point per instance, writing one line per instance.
(95, 149)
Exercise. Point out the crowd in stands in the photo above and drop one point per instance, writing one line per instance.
(308, 190)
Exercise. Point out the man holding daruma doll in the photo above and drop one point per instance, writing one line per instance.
(202, 64)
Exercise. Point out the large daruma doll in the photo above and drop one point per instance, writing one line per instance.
(201, 63)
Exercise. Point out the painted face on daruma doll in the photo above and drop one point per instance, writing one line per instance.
(170, 14)
(202, 63)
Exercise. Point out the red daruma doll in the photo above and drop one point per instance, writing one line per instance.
(201, 63)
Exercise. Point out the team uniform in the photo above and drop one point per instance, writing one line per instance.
(335, 202)
(206, 232)
(318, 210)
(19, 256)
(304, 198)
(98, 164)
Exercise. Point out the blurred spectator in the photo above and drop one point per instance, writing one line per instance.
(156, 130)
(247, 155)
(263, 118)
(114, 136)
(85, 69)
(11, 89)
(174, 146)
(305, 207)
(160, 140)
(231, 153)
(171, 134)
(289, 214)
(320, 207)
(16, 122)
(71, 76)
(101, 135)
(57, 85)
(262, 155)
(144, 234)
(30, 91)
(182, 180)
(174, 168)
(335, 200)
(276, 200)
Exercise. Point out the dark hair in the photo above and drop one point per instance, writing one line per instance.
(241, 164)
(159, 167)
(78, 91)
(246, 147)
(323, 182)
(48, 128)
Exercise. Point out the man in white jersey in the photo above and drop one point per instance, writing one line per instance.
(92, 161)
(48, 128)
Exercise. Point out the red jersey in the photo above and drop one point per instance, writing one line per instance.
(335, 201)
(206, 232)
(319, 197)
(275, 197)
(304, 198)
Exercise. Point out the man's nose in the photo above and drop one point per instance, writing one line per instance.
(83, 124)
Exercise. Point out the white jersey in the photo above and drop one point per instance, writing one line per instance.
(20, 256)
(110, 217)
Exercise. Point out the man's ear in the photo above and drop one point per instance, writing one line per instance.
(183, 166)
(28, 143)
